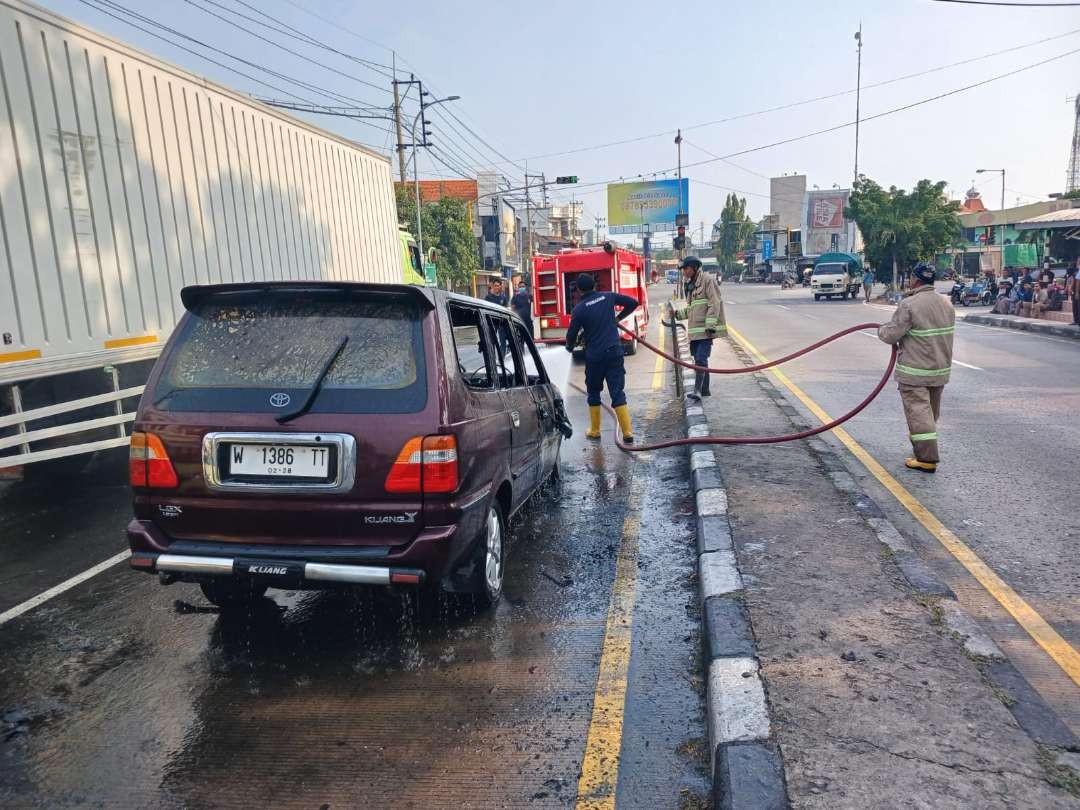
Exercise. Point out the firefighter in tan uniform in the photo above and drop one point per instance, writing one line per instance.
(704, 316)
(923, 325)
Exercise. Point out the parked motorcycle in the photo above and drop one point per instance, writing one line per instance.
(956, 294)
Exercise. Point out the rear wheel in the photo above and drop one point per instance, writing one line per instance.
(630, 348)
(489, 560)
(232, 593)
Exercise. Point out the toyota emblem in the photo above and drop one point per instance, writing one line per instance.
(279, 400)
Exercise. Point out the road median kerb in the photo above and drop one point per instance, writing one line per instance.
(1024, 325)
(746, 766)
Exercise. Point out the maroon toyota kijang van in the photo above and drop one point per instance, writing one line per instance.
(298, 435)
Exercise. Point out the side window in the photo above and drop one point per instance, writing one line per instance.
(534, 369)
(510, 371)
(414, 258)
(472, 347)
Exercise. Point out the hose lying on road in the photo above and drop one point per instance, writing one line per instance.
(787, 437)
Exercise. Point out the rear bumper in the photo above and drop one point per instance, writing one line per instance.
(282, 572)
(430, 557)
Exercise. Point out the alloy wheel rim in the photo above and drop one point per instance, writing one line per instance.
(493, 554)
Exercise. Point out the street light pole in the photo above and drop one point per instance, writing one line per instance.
(416, 167)
(858, 95)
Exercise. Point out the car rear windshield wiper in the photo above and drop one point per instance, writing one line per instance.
(315, 386)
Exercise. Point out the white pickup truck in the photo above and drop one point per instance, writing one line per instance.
(836, 274)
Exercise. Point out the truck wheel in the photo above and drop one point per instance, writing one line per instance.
(232, 593)
(489, 559)
(629, 348)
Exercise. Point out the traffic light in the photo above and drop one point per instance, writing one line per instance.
(679, 242)
(569, 178)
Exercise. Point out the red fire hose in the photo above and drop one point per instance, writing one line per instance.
(788, 437)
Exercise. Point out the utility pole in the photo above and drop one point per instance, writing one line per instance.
(397, 120)
(858, 94)
(528, 225)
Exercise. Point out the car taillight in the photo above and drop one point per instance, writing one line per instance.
(149, 464)
(425, 464)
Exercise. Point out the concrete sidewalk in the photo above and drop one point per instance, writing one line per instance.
(881, 689)
(1054, 328)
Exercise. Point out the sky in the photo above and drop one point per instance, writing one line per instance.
(542, 84)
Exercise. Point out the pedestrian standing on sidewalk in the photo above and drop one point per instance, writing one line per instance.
(923, 326)
(868, 284)
(1072, 289)
(595, 317)
(704, 316)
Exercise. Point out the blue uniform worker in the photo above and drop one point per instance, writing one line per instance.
(596, 318)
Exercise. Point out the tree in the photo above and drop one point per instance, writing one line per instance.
(446, 228)
(901, 227)
(736, 231)
(1071, 195)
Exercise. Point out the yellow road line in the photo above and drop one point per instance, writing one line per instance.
(658, 369)
(1063, 654)
(600, 766)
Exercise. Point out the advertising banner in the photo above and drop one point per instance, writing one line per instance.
(647, 206)
(826, 229)
(508, 238)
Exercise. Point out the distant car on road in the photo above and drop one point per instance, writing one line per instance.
(673, 276)
(299, 435)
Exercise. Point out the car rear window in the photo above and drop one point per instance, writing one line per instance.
(235, 353)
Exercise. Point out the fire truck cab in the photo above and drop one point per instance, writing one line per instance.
(615, 269)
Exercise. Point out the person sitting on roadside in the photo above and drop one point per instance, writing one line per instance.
(1022, 305)
(1001, 305)
(1046, 277)
(1050, 300)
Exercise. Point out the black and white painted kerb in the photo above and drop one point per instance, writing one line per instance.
(747, 772)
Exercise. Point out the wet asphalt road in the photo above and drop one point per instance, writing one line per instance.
(122, 693)
(1010, 444)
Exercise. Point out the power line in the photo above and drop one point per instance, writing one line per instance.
(728, 162)
(189, 50)
(102, 5)
(804, 102)
(297, 34)
(1017, 5)
(297, 54)
(893, 111)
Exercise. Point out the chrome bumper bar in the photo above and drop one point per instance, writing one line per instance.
(266, 570)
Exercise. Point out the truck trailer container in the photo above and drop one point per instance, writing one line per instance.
(123, 180)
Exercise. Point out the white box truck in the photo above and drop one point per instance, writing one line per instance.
(124, 179)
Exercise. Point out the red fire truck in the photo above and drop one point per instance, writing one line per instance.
(615, 269)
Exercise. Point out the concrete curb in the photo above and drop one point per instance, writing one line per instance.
(1024, 325)
(746, 765)
(1029, 709)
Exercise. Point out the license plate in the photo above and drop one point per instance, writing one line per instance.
(279, 460)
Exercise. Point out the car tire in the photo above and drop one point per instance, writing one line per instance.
(232, 593)
(630, 348)
(817, 297)
(489, 559)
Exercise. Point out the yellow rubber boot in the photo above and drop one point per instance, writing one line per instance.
(622, 412)
(594, 423)
(922, 466)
